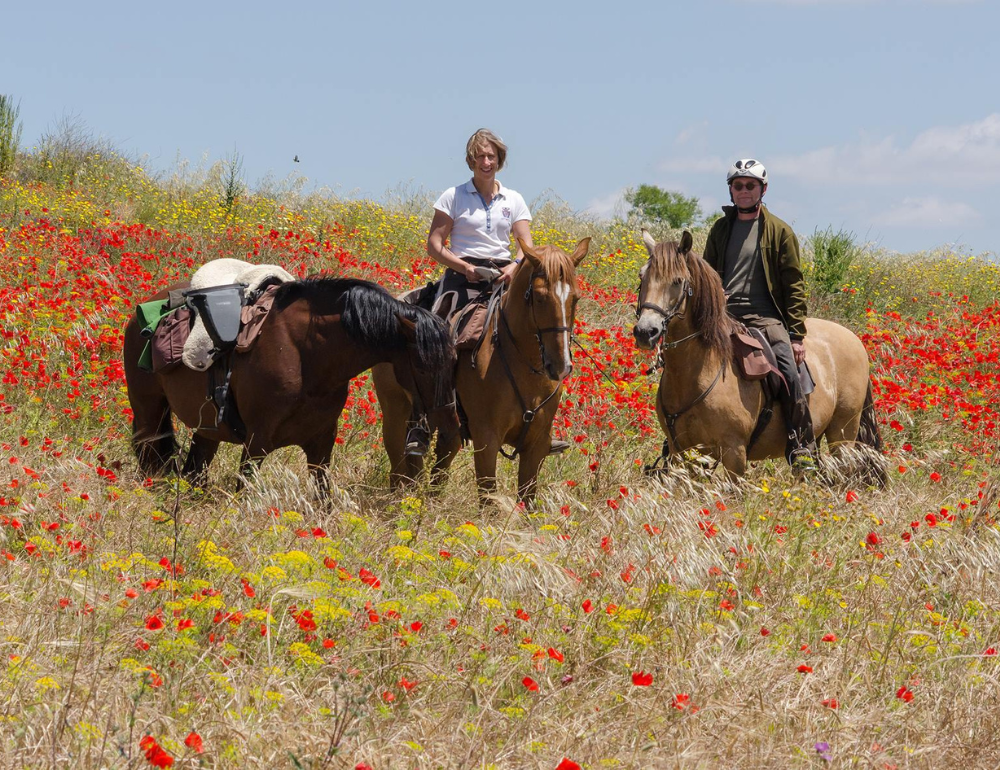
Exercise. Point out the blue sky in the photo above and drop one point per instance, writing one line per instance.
(878, 116)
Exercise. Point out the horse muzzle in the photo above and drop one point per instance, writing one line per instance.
(647, 334)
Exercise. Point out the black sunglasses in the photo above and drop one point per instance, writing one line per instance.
(739, 186)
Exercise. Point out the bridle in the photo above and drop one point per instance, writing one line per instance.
(669, 315)
(529, 300)
(528, 415)
(674, 311)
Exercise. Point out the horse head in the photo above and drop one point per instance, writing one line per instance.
(665, 287)
(427, 369)
(547, 281)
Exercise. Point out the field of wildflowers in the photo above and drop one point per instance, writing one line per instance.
(627, 622)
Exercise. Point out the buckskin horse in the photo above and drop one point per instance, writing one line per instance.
(291, 386)
(509, 385)
(702, 401)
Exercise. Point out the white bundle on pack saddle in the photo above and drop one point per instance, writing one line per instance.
(200, 349)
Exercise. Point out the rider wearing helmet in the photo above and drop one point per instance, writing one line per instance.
(757, 256)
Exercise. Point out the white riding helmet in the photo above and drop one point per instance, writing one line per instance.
(747, 167)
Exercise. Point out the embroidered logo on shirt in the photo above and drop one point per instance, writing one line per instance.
(506, 212)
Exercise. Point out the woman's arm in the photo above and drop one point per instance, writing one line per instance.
(436, 239)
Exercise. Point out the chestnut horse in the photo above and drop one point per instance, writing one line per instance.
(682, 308)
(291, 386)
(508, 386)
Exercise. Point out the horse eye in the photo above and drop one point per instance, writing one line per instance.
(678, 281)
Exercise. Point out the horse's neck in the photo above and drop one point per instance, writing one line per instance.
(516, 329)
(688, 367)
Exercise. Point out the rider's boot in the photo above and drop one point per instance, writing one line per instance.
(801, 450)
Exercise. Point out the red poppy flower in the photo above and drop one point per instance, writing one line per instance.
(642, 679)
(567, 764)
(193, 741)
(804, 669)
(530, 683)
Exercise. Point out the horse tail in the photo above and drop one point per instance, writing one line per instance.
(870, 436)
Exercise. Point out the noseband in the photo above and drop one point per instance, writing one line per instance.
(675, 309)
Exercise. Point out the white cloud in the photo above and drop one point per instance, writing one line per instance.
(928, 212)
(962, 155)
(607, 206)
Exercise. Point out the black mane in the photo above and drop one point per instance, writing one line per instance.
(370, 316)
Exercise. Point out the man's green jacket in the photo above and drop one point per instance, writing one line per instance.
(780, 250)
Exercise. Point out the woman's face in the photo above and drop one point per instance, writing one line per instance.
(485, 161)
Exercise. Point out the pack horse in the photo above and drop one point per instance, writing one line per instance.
(290, 387)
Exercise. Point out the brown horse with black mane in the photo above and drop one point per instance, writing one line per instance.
(291, 386)
(702, 401)
(509, 385)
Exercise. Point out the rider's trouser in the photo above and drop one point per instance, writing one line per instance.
(794, 405)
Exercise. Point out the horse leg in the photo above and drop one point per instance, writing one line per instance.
(734, 460)
(152, 432)
(318, 459)
(249, 465)
(448, 445)
(396, 409)
(199, 458)
(528, 467)
(485, 458)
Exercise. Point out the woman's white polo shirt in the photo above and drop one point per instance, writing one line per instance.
(480, 230)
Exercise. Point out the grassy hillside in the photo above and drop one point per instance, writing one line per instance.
(628, 622)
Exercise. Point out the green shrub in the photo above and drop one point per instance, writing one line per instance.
(10, 133)
(833, 255)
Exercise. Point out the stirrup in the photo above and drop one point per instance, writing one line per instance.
(557, 447)
(418, 441)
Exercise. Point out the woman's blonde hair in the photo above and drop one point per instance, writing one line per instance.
(482, 137)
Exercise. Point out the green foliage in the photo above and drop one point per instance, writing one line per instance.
(10, 133)
(663, 206)
(833, 255)
(231, 182)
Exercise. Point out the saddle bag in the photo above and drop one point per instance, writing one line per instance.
(751, 360)
(167, 343)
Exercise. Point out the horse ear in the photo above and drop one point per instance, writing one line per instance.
(686, 243)
(648, 240)
(407, 327)
(581, 251)
(529, 252)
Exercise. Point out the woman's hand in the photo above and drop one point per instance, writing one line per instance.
(507, 274)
